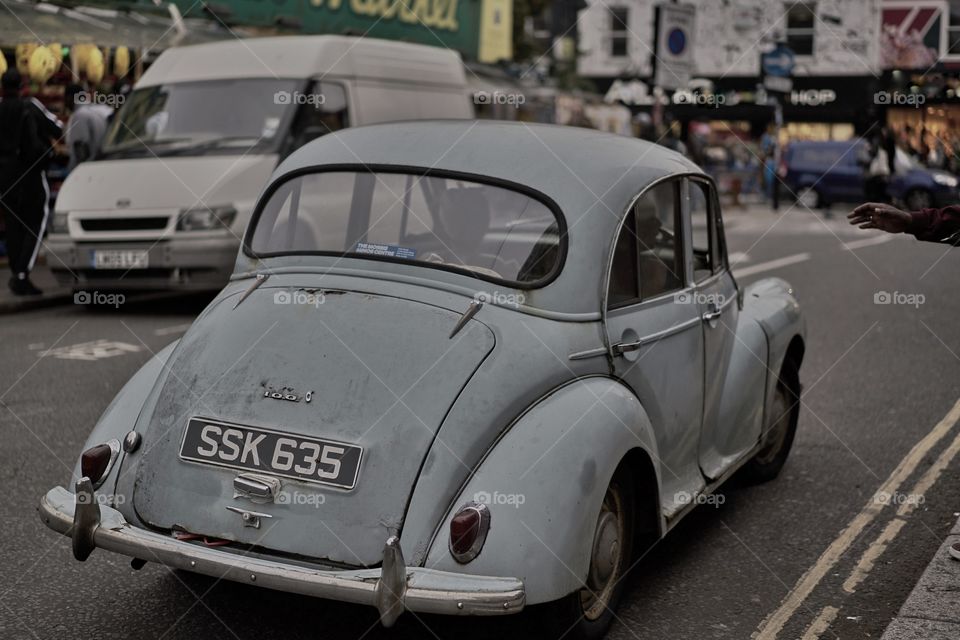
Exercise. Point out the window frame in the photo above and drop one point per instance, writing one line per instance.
(717, 249)
(679, 234)
(619, 30)
(423, 172)
(801, 32)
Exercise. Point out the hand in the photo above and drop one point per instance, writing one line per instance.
(876, 215)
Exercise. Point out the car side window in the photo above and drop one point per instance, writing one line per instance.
(624, 278)
(321, 109)
(700, 205)
(660, 251)
(648, 255)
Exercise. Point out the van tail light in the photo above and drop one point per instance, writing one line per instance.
(96, 461)
(468, 531)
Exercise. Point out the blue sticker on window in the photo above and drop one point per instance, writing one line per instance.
(388, 250)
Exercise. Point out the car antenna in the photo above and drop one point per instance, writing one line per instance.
(465, 318)
(261, 278)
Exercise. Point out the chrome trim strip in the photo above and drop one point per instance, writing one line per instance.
(666, 333)
(427, 590)
(588, 353)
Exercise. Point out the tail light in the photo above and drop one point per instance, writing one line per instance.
(96, 461)
(468, 531)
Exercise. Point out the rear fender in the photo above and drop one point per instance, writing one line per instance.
(771, 302)
(121, 415)
(544, 482)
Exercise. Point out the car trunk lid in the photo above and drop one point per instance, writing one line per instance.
(381, 374)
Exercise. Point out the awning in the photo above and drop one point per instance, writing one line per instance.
(43, 22)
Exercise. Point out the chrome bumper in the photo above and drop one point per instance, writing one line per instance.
(392, 589)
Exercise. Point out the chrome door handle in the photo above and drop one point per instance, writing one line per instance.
(623, 347)
(714, 312)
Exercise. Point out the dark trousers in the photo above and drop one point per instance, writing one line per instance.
(24, 205)
(875, 189)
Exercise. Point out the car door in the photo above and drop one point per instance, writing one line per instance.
(734, 349)
(656, 343)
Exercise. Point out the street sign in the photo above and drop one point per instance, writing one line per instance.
(673, 62)
(779, 62)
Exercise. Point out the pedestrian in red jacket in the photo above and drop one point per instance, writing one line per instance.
(931, 225)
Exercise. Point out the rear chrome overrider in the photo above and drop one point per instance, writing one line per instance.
(392, 589)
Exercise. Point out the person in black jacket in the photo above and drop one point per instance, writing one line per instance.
(27, 133)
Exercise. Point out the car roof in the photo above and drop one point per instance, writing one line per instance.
(591, 176)
(304, 57)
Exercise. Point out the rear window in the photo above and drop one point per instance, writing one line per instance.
(820, 156)
(484, 230)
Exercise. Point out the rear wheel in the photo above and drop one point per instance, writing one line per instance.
(781, 427)
(586, 614)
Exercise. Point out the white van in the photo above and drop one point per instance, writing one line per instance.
(167, 202)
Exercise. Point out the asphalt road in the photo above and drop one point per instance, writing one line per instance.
(878, 378)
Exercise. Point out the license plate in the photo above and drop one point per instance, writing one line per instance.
(121, 259)
(274, 452)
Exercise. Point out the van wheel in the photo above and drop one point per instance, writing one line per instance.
(781, 428)
(809, 198)
(586, 614)
(918, 199)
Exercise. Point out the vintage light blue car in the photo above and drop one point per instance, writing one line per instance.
(461, 368)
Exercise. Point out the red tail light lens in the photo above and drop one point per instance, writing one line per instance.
(468, 531)
(95, 461)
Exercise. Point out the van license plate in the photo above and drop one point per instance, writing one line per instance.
(274, 452)
(121, 259)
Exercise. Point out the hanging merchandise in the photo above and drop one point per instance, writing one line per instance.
(42, 65)
(121, 62)
(57, 50)
(78, 56)
(3, 63)
(95, 66)
(23, 52)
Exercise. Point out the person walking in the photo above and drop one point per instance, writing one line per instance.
(929, 225)
(87, 125)
(27, 131)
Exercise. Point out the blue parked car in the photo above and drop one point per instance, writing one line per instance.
(821, 173)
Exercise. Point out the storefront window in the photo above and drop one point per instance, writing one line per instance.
(800, 27)
(618, 31)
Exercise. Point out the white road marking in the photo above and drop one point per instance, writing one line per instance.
(821, 624)
(95, 350)
(772, 264)
(868, 242)
(774, 623)
(177, 328)
(738, 257)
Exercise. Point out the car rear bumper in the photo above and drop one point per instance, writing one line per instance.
(392, 588)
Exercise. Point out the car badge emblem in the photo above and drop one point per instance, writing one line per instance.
(287, 394)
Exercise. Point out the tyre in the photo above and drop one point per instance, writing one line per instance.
(587, 613)
(781, 427)
(918, 199)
